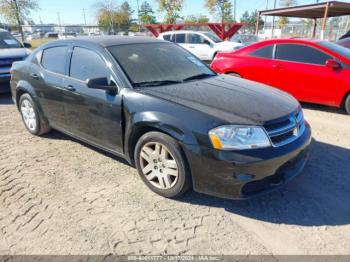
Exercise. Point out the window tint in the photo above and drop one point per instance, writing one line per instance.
(180, 38)
(87, 64)
(301, 53)
(167, 37)
(54, 59)
(195, 39)
(264, 52)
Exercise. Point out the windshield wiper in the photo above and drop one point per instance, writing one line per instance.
(157, 83)
(200, 76)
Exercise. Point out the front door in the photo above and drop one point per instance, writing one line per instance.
(301, 71)
(92, 114)
(198, 46)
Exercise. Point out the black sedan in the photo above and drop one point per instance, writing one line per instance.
(166, 112)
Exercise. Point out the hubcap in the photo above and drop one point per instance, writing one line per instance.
(28, 114)
(158, 165)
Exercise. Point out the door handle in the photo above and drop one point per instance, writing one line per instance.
(70, 88)
(34, 76)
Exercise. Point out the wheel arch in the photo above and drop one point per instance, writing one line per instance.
(342, 104)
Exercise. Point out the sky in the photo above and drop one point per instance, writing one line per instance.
(71, 11)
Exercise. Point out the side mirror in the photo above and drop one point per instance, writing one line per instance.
(102, 83)
(27, 45)
(206, 42)
(334, 64)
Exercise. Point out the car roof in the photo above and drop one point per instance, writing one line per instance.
(291, 40)
(106, 41)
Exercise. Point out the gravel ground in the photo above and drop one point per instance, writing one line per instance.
(60, 196)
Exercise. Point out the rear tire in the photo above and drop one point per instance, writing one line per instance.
(32, 119)
(161, 165)
(347, 104)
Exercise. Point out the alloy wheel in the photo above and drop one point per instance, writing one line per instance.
(29, 115)
(158, 165)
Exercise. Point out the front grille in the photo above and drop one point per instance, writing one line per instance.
(287, 130)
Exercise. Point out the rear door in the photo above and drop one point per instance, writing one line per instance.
(92, 114)
(301, 70)
(46, 76)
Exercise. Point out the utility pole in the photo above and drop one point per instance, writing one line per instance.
(267, 7)
(19, 22)
(234, 10)
(138, 14)
(273, 19)
(84, 15)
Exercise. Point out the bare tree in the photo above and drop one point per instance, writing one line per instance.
(18, 11)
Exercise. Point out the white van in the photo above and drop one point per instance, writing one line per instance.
(204, 45)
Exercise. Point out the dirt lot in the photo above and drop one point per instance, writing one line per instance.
(59, 196)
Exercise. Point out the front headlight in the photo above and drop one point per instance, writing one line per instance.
(233, 137)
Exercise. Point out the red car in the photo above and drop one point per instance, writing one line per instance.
(312, 71)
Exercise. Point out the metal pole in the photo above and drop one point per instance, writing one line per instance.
(324, 21)
(273, 19)
(314, 28)
(267, 7)
(257, 23)
(84, 15)
(234, 10)
(138, 14)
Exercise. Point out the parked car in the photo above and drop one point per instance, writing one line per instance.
(344, 42)
(51, 35)
(312, 71)
(11, 50)
(204, 45)
(67, 35)
(166, 112)
(245, 39)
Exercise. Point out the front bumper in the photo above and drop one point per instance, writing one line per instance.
(246, 173)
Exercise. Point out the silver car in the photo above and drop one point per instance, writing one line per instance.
(11, 50)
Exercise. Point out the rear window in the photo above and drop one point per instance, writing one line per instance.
(8, 41)
(54, 59)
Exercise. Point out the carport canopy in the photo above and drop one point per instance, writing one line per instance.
(312, 11)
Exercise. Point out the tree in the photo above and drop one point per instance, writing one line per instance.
(220, 8)
(146, 13)
(282, 21)
(112, 17)
(196, 19)
(18, 11)
(171, 8)
(249, 19)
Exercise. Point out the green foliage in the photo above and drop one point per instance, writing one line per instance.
(221, 8)
(15, 15)
(249, 19)
(112, 17)
(146, 13)
(171, 8)
(196, 19)
(282, 21)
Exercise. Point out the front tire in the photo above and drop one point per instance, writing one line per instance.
(347, 104)
(161, 165)
(31, 117)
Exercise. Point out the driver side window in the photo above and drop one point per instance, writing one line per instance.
(195, 39)
(87, 64)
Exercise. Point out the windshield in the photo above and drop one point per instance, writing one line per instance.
(213, 37)
(152, 64)
(343, 51)
(8, 41)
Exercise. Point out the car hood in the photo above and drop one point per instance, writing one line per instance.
(13, 52)
(231, 99)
